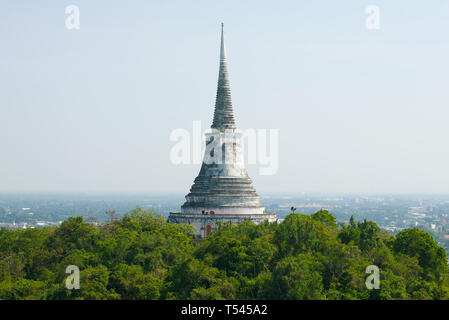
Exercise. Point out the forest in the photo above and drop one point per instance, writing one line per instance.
(141, 256)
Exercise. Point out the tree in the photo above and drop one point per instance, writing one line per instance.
(369, 235)
(419, 244)
(112, 215)
(364, 234)
(299, 234)
(325, 218)
(298, 278)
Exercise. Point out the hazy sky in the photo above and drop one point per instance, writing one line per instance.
(357, 110)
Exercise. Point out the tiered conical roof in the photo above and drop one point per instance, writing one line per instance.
(223, 115)
(226, 186)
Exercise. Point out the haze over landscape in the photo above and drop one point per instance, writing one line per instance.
(357, 110)
(110, 188)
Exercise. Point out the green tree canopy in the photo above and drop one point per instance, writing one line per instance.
(141, 256)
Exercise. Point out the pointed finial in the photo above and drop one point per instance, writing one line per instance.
(223, 115)
(222, 49)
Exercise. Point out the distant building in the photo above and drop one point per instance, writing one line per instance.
(222, 191)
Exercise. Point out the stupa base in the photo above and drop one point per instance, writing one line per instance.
(205, 223)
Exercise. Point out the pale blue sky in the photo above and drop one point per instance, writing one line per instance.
(92, 110)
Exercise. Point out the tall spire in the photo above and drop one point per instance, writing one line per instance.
(223, 115)
(222, 191)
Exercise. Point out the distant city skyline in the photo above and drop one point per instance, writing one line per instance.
(357, 109)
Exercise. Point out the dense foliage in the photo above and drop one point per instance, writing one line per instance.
(141, 256)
